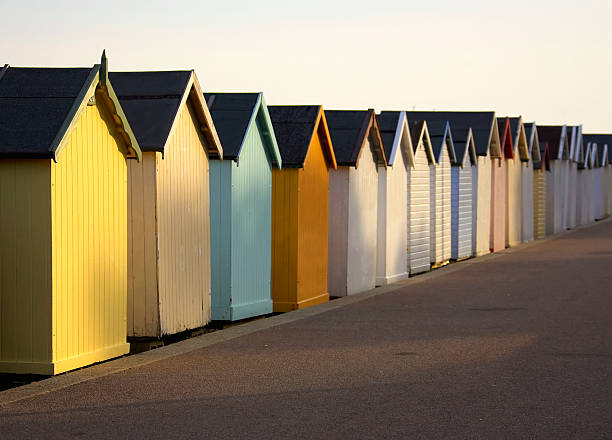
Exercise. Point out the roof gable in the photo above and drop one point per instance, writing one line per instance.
(600, 139)
(420, 138)
(395, 135)
(505, 134)
(294, 128)
(533, 142)
(40, 107)
(520, 143)
(349, 131)
(234, 114)
(556, 136)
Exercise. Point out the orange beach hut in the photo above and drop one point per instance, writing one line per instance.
(300, 207)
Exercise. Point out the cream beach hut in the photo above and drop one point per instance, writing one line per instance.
(515, 183)
(528, 182)
(353, 201)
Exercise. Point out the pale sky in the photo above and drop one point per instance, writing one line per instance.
(550, 61)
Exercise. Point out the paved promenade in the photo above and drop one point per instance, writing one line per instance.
(515, 345)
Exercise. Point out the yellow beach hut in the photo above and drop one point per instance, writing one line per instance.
(169, 284)
(64, 145)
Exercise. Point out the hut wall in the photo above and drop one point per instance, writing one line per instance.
(362, 224)
(419, 213)
(554, 197)
(392, 258)
(142, 305)
(597, 194)
(461, 211)
(242, 192)
(527, 202)
(338, 231)
(580, 194)
(514, 206)
(284, 238)
(571, 193)
(498, 205)
(539, 203)
(25, 276)
(440, 199)
(89, 253)
(482, 208)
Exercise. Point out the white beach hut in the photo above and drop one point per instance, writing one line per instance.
(604, 145)
(391, 256)
(515, 163)
(353, 201)
(558, 149)
(462, 200)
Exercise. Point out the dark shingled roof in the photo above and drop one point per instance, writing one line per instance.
(416, 127)
(150, 101)
(551, 134)
(231, 113)
(34, 103)
(294, 127)
(387, 125)
(347, 128)
(460, 123)
(600, 139)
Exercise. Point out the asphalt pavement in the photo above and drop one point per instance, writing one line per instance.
(512, 346)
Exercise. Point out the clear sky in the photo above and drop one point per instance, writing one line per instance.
(549, 60)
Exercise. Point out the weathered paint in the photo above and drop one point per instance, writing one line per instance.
(241, 201)
(419, 211)
(169, 255)
(353, 226)
(461, 201)
(440, 209)
(539, 203)
(392, 258)
(481, 220)
(64, 306)
(299, 231)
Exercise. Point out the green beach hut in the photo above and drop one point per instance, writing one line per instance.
(241, 206)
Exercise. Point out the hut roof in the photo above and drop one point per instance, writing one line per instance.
(420, 133)
(349, 129)
(294, 127)
(38, 106)
(554, 135)
(600, 139)
(233, 115)
(391, 124)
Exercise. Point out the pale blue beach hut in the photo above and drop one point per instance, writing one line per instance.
(241, 206)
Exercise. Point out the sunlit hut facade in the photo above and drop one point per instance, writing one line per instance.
(582, 166)
(392, 239)
(528, 182)
(241, 206)
(499, 188)
(300, 194)
(540, 169)
(598, 195)
(606, 173)
(64, 148)
(353, 201)
(168, 205)
(514, 175)
(558, 150)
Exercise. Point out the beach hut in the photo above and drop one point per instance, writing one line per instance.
(241, 206)
(168, 206)
(598, 194)
(514, 174)
(528, 182)
(419, 238)
(558, 149)
(591, 165)
(574, 138)
(499, 188)
(392, 238)
(64, 147)
(462, 200)
(581, 155)
(353, 201)
(540, 168)
(300, 192)
(604, 144)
